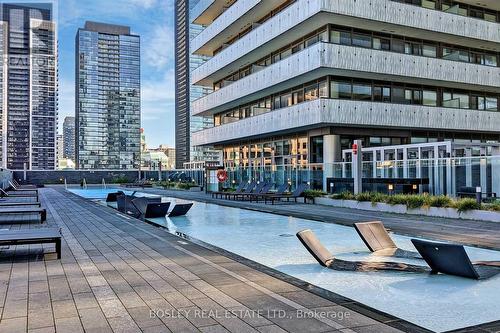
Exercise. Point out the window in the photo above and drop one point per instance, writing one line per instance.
(463, 100)
(429, 98)
(398, 45)
(429, 51)
(491, 104)
(380, 43)
(361, 40)
(362, 92)
(323, 89)
(382, 94)
(286, 100)
(298, 96)
(311, 92)
(341, 90)
(312, 41)
(490, 60)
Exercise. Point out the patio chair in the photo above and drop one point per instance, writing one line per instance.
(299, 192)
(263, 191)
(279, 191)
(257, 190)
(124, 204)
(26, 186)
(19, 204)
(239, 189)
(112, 197)
(453, 260)
(248, 189)
(16, 189)
(180, 210)
(32, 236)
(15, 194)
(326, 259)
(378, 240)
(23, 211)
(151, 207)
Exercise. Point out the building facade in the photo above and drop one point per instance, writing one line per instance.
(69, 138)
(28, 44)
(296, 81)
(108, 107)
(185, 63)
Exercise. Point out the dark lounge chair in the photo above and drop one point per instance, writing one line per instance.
(257, 190)
(378, 240)
(32, 236)
(16, 194)
(453, 260)
(112, 197)
(239, 189)
(124, 204)
(299, 192)
(180, 210)
(21, 211)
(248, 189)
(19, 204)
(18, 189)
(279, 191)
(24, 186)
(326, 259)
(139, 183)
(151, 207)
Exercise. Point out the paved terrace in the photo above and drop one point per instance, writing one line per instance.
(466, 232)
(115, 270)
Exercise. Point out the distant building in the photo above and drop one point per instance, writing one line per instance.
(60, 148)
(28, 86)
(69, 138)
(152, 156)
(108, 109)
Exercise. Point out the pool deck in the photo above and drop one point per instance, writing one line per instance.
(115, 270)
(466, 232)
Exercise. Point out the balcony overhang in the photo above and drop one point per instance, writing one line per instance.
(341, 113)
(306, 16)
(487, 4)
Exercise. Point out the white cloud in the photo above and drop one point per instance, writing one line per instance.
(158, 47)
(144, 3)
(158, 96)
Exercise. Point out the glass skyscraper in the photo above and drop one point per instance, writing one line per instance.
(28, 44)
(69, 138)
(108, 109)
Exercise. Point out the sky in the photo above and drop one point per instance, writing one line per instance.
(150, 19)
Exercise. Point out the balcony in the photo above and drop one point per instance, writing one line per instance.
(332, 112)
(377, 15)
(331, 59)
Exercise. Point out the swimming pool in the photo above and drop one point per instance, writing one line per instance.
(438, 302)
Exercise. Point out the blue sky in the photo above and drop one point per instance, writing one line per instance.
(153, 21)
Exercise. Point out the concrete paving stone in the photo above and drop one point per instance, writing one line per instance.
(146, 292)
(14, 325)
(51, 329)
(144, 317)
(345, 316)
(239, 290)
(38, 286)
(96, 281)
(103, 292)
(93, 318)
(69, 325)
(218, 279)
(214, 329)
(76, 285)
(64, 309)
(40, 318)
(124, 325)
(177, 300)
(265, 303)
(85, 301)
(251, 317)
(270, 329)
(379, 328)
(156, 329)
(39, 301)
(112, 308)
(191, 292)
(15, 309)
(198, 317)
(131, 299)
(307, 299)
(292, 321)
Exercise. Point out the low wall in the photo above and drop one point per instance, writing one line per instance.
(75, 176)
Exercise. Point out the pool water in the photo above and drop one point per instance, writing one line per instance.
(436, 302)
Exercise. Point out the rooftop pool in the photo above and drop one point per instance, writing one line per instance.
(436, 302)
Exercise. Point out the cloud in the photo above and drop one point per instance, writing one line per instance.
(144, 3)
(158, 95)
(158, 47)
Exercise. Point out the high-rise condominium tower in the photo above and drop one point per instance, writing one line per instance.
(28, 86)
(69, 138)
(108, 108)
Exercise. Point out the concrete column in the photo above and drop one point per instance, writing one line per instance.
(357, 168)
(332, 153)
(495, 170)
(405, 162)
(468, 167)
(374, 164)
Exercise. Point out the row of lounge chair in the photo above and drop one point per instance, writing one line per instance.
(262, 191)
(441, 258)
(145, 208)
(22, 200)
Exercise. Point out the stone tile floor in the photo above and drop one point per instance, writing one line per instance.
(118, 274)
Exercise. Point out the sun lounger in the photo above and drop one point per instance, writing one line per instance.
(124, 204)
(180, 210)
(19, 189)
(142, 183)
(112, 197)
(32, 236)
(239, 189)
(279, 191)
(326, 259)
(23, 186)
(151, 207)
(19, 204)
(248, 189)
(26, 210)
(299, 192)
(16, 194)
(453, 260)
(261, 188)
(378, 241)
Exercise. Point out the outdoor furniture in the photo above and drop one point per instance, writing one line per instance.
(326, 259)
(18, 189)
(19, 204)
(15, 194)
(257, 189)
(180, 210)
(263, 191)
(140, 183)
(470, 192)
(151, 207)
(32, 236)
(112, 197)
(378, 240)
(239, 189)
(26, 210)
(24, 186)
(453, 260)
(280, 191)
(299, 192)
(248, 189)
(124, 204)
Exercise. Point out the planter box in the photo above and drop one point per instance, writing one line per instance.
(452, 213)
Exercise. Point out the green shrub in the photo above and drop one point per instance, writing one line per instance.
(314, 193)
(343, 196)
(378, 197)
(494, 206)
(440, 201)
(120, 180)
(364, 196)
(466, 204)
(415, 201)
(396, 199)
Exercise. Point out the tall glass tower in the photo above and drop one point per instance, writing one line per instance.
(28, 93)
(108, 109)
